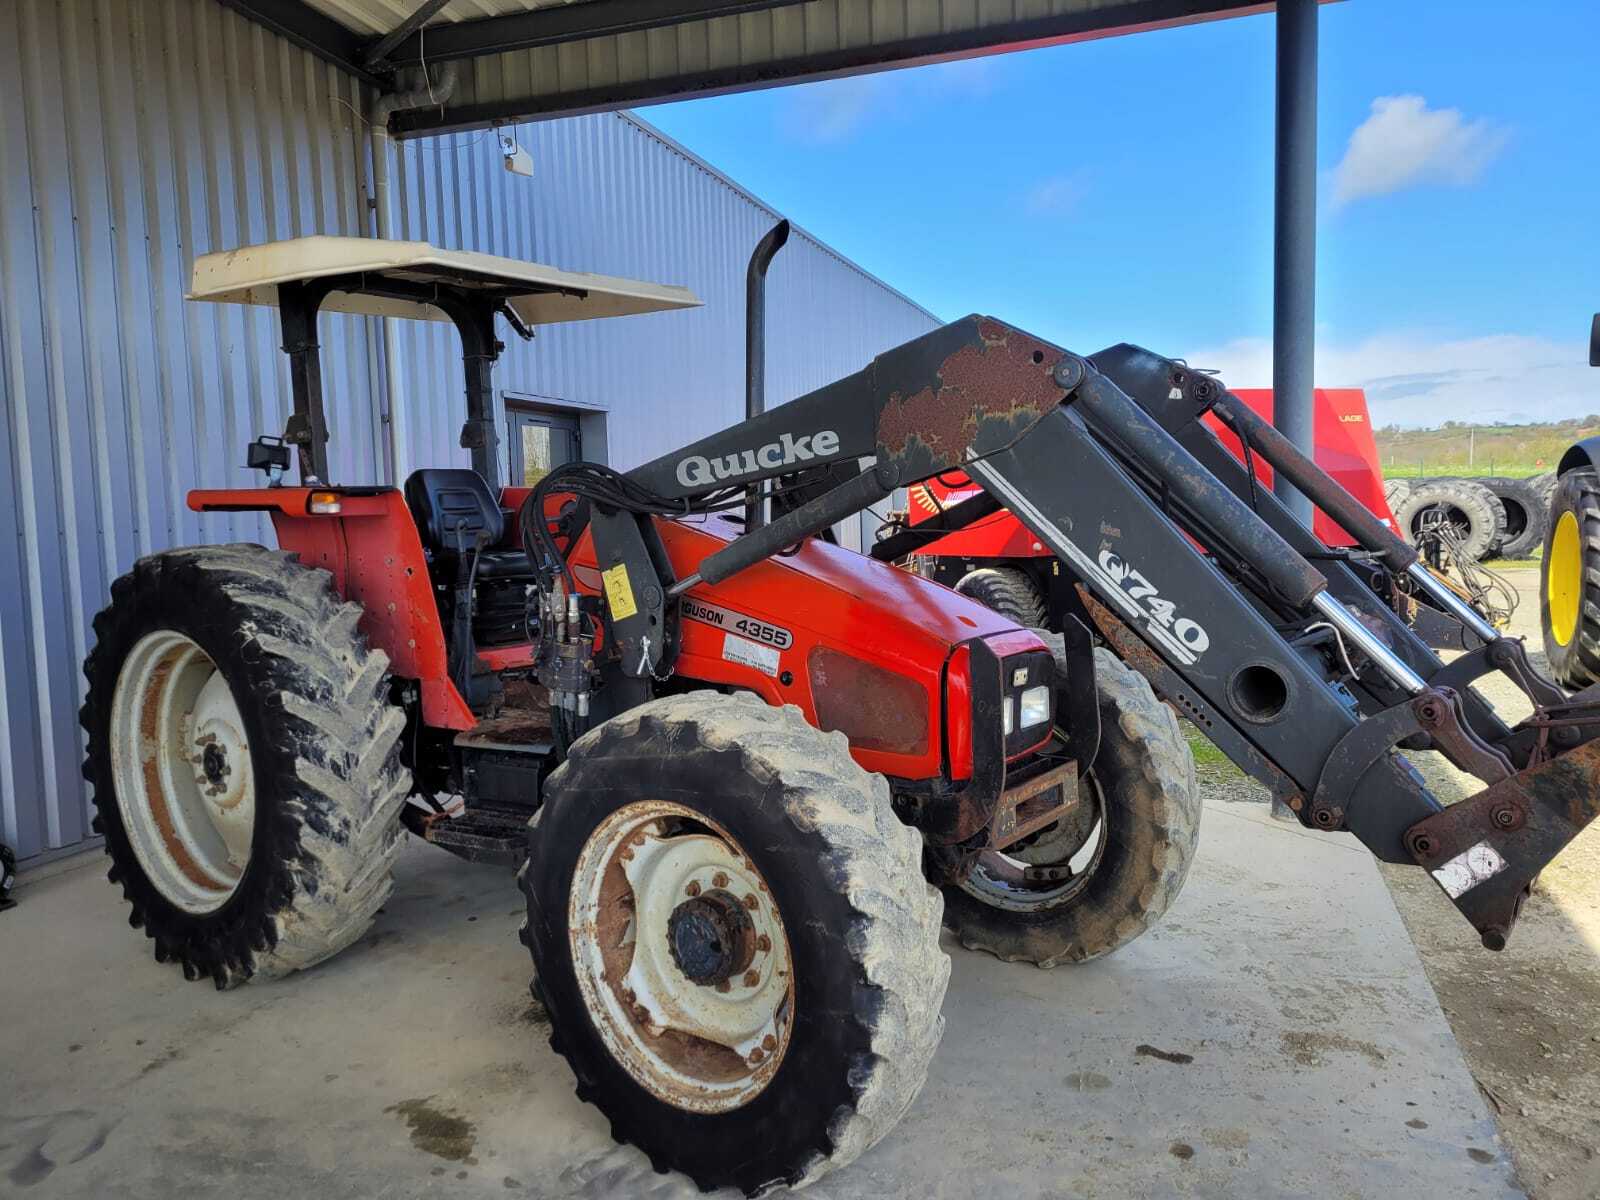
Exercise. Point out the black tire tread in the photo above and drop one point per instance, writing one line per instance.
(1008, 591)
(1485, 514)
(1172, 804)
(328, 695)
(1576, 665)
(1535, 506)
(876, 863)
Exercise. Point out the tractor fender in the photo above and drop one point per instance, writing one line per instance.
(1585, 453)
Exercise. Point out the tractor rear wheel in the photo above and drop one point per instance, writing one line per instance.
(1124, 860)
(1569, 581)
(1007, 590)
(244, 758)
(733, 940)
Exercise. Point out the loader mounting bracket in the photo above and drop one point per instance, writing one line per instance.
(1486, 851)
(1436, 713)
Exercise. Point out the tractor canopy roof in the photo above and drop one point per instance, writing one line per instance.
(539, 295)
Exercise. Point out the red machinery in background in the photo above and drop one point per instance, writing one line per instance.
(997, 560)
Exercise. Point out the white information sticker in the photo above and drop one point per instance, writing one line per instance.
(1469, 868)
(750, 654)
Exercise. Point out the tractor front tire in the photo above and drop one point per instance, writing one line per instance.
(1569, 580)
(244, 758)
(733, 940)
(1007, 590)
(1143, 783)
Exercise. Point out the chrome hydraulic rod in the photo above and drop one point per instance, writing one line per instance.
(1452, 603)
(1390, 663)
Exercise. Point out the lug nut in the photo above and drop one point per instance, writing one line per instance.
(763, 943)
(638, 839)
(719, 880)
(751, 978)
(629, 998)
(757, 1054)
(750, 900)
(769, 1043)
(693, 889)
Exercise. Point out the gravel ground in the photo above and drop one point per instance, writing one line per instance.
(1527, 1019)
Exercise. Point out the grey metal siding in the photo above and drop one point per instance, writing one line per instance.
(136, 134)
(611, 194)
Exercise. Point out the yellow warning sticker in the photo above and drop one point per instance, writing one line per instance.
(619, 592)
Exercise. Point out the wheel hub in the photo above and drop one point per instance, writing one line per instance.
(711, 938)
(681, 955)
(182, 771)
(214, 765)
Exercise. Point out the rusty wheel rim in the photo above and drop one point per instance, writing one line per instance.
(1010, 880)
(180, 761)
(681, 956)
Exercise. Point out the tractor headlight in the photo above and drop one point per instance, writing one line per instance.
(1035, 708)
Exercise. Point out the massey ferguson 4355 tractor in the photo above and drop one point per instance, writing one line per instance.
(746, 771)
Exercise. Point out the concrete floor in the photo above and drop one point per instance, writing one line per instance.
(1275, 1037)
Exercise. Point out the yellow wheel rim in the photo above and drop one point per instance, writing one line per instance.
(1564, 579)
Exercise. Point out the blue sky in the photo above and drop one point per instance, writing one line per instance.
(1121, 190)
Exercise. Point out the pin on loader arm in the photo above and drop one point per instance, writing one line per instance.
(1228, 609)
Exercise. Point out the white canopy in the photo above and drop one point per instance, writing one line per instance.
(251, 275)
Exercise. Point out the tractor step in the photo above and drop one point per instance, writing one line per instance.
(485, 833)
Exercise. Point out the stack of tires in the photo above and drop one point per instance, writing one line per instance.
(1492, 517)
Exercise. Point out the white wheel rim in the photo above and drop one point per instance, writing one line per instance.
(710, 1045)
(180, 764)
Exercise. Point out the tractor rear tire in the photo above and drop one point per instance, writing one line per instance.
(1526, 509)
(244, 757)
(673, 814)
(1143, 779)
(1007, 590)
(1473, 512)
(1569, 581)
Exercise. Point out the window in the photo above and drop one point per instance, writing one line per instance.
(540, 440)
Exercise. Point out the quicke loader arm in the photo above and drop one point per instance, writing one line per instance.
(1289, 656)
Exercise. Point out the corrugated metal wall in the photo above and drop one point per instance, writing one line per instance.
(611, 194)
(135, 134)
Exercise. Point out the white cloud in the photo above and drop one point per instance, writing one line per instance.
(1414, 380)
(1404, 143)
(1056, 195)
(832, 110)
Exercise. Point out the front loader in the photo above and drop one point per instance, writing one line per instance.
(746, 772)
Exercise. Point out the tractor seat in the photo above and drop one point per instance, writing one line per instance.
(451, 507)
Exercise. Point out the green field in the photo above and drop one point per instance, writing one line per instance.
(1457, 449)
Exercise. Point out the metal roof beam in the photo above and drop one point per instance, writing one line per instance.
(983, 36)
(562, 23)
(309, 29)
(377, 53)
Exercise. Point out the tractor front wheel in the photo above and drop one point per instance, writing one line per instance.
(244, 758)
(733, 940)
(1089, 885)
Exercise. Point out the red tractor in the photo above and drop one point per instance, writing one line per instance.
(746, 773)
